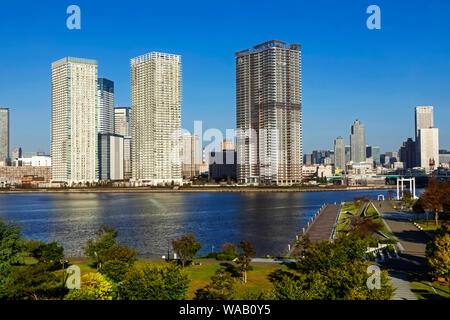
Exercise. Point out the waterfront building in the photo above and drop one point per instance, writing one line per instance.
(156, 118)
(16, 153)
(357, 142)
(105, 106)
(373, 152)
(268, 114)
(34, 161)
(339, 153)
(10, 175)
(223, 165)
(4, 136)
(122, 126)
(190, 156)
(73, 124)
(110, 155)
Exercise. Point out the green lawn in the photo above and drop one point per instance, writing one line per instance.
(200, 275)
(423, 291)
(430, 225)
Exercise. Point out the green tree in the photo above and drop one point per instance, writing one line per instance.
(155, 282)
(220, 287)
(105, 248)
(94, 286)
(12, 251)
(243, 258)
(438, 255)
(49, 253)
(34, 282)
(186, 247)
(105, 239)
(115, 270)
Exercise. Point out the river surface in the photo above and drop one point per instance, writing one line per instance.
(147, 221)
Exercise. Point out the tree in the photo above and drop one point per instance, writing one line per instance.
(105, 248)
(49, 253)
(244, 258)
(186, 247)
(34, 282)
(229, 248)
(433, 198)
(115, 270)
(12, 250)
(438, 254)
(94, 286)
(155, 282)
(220, 287)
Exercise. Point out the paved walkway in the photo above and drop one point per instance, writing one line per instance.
(322, 227)
(412, 250)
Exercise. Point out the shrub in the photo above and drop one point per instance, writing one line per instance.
(155, 282)
(93, 287)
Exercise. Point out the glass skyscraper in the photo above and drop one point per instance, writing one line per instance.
(357, 142)
(105, 106)
(4, 136)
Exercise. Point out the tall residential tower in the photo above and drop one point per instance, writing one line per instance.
(4, 136)
(339, 153)
(156, 118)
(74, 122)
(268, 114)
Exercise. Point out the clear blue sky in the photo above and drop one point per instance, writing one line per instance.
(349, 71)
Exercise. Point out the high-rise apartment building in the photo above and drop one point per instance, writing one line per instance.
(190, 155)
(156, 117)
(268, 114)
(105, 106)
(4, 136)
(122, 121)
(357, 142)
(339, 153)
(110, 155)
(122, 126)
(74, 123)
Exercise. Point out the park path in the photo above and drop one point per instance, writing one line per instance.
(412, 249)
(322, 227)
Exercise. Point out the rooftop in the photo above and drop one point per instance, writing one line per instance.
(270, 44)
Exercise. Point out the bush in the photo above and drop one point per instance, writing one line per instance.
(225, 257)
(155, 282)
(93, 287)
(115, 270)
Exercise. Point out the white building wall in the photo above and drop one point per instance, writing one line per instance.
(429, 148)
(74, 127)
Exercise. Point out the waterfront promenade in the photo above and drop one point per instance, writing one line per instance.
(321, 227)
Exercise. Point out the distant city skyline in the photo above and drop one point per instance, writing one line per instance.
(377, 76)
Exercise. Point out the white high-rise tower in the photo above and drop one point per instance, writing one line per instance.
(74, 122)
(156, 118)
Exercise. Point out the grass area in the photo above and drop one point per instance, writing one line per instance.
(200, 275)
(430, 225)
(424, 291)
(344, 217)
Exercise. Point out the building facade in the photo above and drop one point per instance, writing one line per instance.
(428, 146)
(111, 155)
(156, 118)
(407, 153)
(105, 106)
(74, 120)
(268, 114)
(190, 155)
(339, 154)
(122, 126)
(4, 136)
(357, 142)
(423, 117)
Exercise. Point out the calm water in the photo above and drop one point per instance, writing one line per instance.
(146, 221)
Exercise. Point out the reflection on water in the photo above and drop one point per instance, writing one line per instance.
(147, 221)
